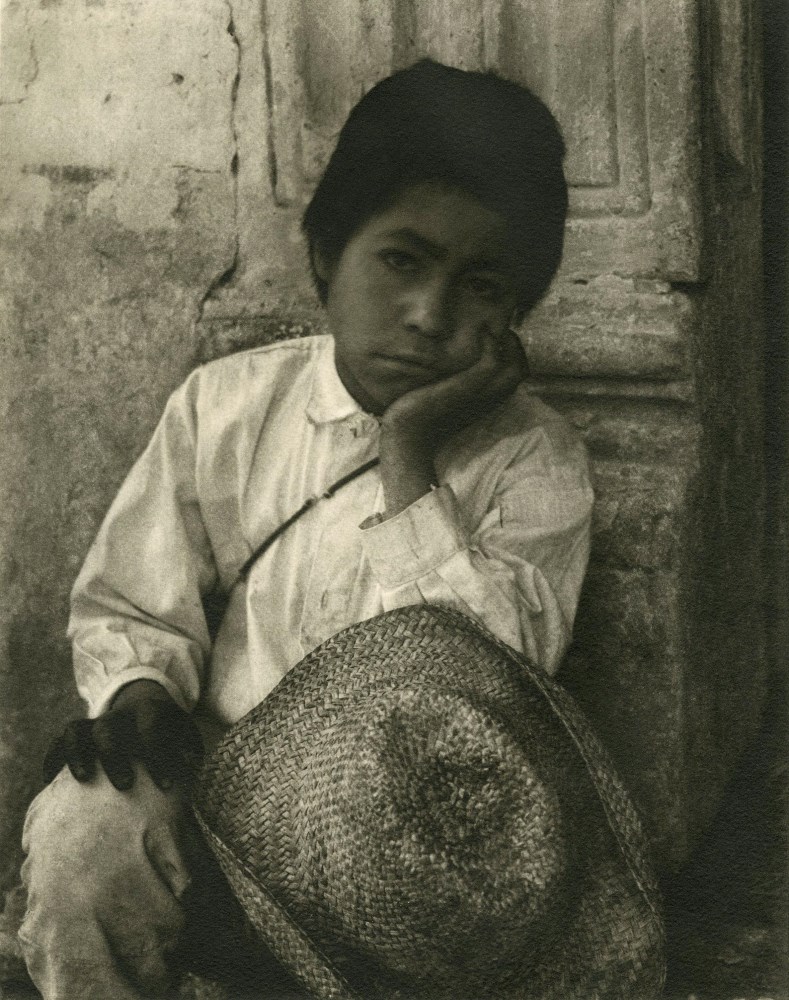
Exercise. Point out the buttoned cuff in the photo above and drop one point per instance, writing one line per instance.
(417, 540)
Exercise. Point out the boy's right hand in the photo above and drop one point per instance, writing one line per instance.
(143, 724)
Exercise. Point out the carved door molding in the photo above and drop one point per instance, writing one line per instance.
(620, 76)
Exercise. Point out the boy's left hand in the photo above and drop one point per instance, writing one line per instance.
(143, 724)
(416, 425)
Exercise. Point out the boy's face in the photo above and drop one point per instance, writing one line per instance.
(416, 290)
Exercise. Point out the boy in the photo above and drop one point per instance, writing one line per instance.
(437, 225)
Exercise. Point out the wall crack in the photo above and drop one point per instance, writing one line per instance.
(227, 274)
(36, 66)
(28, 82)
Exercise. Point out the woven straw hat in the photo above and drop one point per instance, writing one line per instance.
(415, 811)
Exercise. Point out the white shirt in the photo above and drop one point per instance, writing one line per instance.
(241, 445)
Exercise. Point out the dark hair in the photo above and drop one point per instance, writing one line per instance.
(477, 132)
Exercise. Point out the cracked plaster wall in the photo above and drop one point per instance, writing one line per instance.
(117, 216)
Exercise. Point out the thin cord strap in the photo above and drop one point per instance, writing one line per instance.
(266, 544)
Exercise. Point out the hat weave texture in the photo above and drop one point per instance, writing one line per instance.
(416, 811)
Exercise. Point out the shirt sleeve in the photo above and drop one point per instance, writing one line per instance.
(518, 571)
(136, 608)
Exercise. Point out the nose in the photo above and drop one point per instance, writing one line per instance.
(428, 310)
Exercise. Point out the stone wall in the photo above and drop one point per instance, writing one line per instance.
(156, 156)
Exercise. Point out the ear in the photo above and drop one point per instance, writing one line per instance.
(517, 317)
(320, 263)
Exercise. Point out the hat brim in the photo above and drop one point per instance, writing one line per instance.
(613, 947)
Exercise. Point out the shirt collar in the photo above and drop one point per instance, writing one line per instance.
(330, 401)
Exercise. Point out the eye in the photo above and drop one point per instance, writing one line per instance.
(400, 261)
(487, 289)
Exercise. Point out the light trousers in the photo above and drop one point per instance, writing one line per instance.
(123, 897)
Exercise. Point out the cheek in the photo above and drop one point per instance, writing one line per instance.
(475, 322)
(477, 312)
(347, 314)
(367, 302)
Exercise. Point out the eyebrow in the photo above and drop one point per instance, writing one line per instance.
(438, 252)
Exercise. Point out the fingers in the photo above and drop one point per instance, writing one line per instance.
(79, 749)
(117, 744)
(108, 740)
(155, 732)
(504, 351)
(54, 760)
(496, 373)
(439, 409)
(495, 376)
(511, 352)
(165, 854)
(501, 356)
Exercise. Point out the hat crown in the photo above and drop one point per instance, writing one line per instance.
(435, 837)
